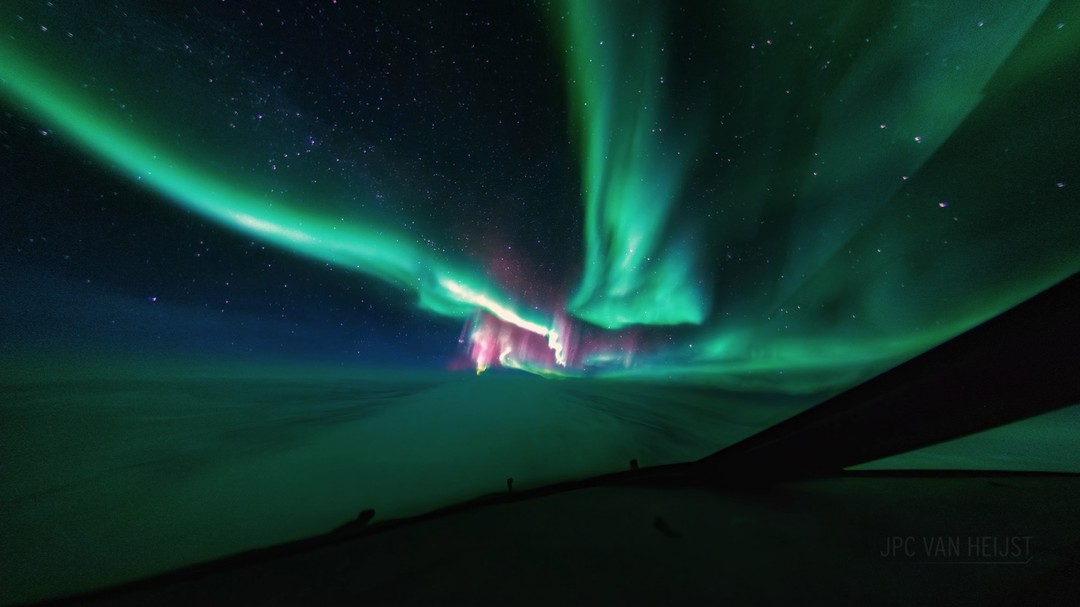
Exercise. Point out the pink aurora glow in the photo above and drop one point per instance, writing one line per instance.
(564, 350)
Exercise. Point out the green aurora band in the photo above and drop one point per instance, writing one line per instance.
(441, 286)
(635, 270)
(916, 157)
(903, 113)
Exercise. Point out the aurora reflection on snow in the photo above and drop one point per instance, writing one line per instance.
(770, 216)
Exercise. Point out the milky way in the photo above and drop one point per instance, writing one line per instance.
(769, 199)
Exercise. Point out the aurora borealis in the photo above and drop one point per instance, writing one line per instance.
(790, 197)
(266, 264)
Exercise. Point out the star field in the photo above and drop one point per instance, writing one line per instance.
(787, 199)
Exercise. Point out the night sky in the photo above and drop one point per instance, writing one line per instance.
(785, 197)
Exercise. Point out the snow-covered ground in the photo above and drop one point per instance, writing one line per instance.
(109, 480)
